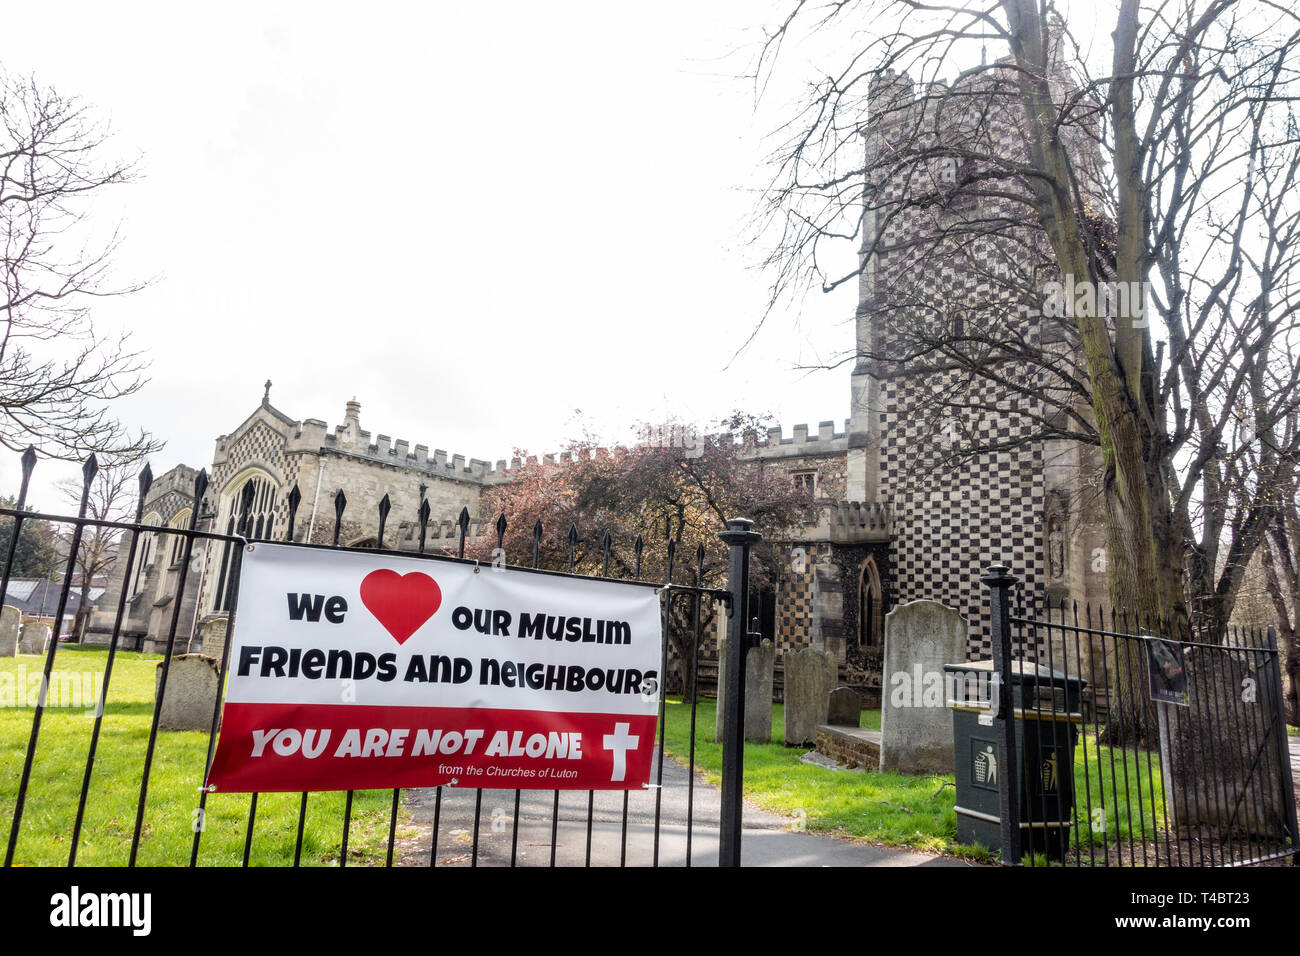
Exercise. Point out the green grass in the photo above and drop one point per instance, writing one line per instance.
(1292, 731)
(886, 808)
(1126, 784)
(177, 771)
(916, 811)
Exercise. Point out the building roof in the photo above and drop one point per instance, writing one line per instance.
(38, 596)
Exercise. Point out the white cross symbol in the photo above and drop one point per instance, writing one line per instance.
(620, 742)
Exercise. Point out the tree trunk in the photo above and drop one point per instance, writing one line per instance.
(1289, 645)
(1145, 567)
(1145, 570)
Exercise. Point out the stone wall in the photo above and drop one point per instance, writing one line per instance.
(849, 750)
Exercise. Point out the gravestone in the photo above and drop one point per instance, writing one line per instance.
(1217, 766)
(753, 717)
(191, 692)
(720, 616)
(915, 722)
(213, 634)
(843, 707)
(810, 676)
(8, 631)
(759, 665)
(33, 638)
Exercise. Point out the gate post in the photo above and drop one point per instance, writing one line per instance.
(999, 579)
(740, 539)
(1279, 740)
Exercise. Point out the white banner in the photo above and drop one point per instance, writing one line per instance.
(358, 671)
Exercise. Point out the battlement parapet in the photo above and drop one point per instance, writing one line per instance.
(852, 521)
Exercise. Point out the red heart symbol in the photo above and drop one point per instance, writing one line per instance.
(400, 602)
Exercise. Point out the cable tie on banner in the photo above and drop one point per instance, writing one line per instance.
(652, 786)
(476, 565)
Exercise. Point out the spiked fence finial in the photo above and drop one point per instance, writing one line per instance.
(385, 505)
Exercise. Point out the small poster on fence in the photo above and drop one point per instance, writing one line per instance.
(352, 671)
(1168, 673)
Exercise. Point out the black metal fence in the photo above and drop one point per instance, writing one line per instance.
(1133, 743)
(457, 814)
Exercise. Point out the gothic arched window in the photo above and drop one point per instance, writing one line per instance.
(144, 554)
(871, 606)
(259, 526)
(180, 520)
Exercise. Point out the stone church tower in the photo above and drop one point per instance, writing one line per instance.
(946, 472)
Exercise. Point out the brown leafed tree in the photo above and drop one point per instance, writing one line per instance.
(58, 375)
(1111, 212)
(671, 487)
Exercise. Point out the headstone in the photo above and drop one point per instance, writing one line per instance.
(843, 707)
(810, 676)
(720, 616)
(214, 637)
(33, 638)
(191, 692)
(915, 722)
(1217, 768)
(8, 630)
(759, 661)
(759, 665)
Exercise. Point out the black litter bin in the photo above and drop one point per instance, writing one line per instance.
(1047, 718)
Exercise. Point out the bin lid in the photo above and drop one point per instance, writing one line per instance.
(1022, 671)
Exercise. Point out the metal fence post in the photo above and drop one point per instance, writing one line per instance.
(740, 539)
(1283, 751)
(999, 579)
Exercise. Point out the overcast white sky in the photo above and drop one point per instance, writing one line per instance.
(475, 218)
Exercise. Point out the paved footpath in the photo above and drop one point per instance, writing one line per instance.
(768, 838)
(1294, 744)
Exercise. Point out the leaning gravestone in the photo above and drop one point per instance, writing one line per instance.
(33, 638)
(843, 707)
(915, 723)
(759, 665)
(191, 692)
(8, 631)
(810, 676)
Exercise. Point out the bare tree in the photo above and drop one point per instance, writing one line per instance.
(110, 497)
(1281, 566)
(57, 375)
(1167, 169)
(1149, 192)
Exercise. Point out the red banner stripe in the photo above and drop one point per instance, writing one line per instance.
(296, 747)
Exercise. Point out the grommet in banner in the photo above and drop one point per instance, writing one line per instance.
(453, 781)
(249, 549)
